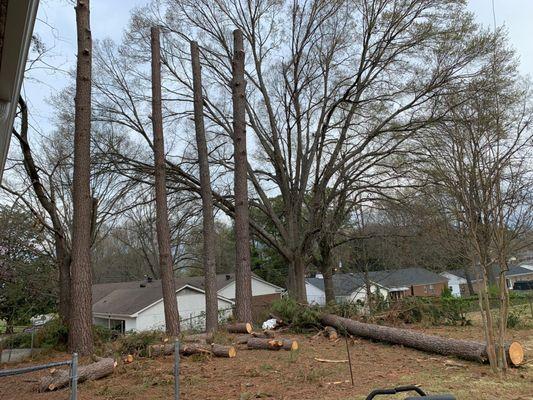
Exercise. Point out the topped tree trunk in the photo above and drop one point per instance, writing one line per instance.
(162, 226)
(80, 318)
(243, 274)
(211, 300)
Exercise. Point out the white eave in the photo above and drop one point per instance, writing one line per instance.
(18, 29)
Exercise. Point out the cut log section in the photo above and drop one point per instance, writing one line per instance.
(272, 344)
(466, 349)
(199, 338)
(242, 339)
(331, 333)
(240, 327)
(223, 351)
(61, 378)
(263, 334)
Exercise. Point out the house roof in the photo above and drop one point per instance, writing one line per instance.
(346, 284)
(515, 270)
(405, 277)
(128, 298)
(133, 301)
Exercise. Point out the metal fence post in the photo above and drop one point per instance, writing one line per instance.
(176, 370)
(74, 377)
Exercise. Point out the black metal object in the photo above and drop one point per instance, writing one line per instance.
(409, 388)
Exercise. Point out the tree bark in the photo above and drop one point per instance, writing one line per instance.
(190, 349)
(168, 283)
(100, 369)
(209, 238)
(465, 349)
(80, 320)
(243, 273)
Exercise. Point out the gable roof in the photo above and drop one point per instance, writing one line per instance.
(346, 284)
(128, 298)
(132, 301)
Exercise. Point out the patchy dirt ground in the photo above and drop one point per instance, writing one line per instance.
(282, 375)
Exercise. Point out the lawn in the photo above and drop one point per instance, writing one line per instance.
(284, 375)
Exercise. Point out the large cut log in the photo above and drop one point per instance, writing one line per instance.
(466, 349)
(223, 351)
(61, 378)
(272, 344)
(240, 327)
(199, 338)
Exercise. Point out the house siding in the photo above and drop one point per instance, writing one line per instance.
(430, 289)
(315, 295)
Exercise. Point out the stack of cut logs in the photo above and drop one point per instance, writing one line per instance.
(263, 340)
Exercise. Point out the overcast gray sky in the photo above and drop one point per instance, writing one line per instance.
(56, 26)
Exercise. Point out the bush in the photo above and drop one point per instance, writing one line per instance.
(53, 335)
(436, 311)
(515, 318)
(301, 318)
(137, 342)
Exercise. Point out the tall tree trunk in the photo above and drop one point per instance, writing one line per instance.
(368, 288)
(329, 290)
(243, 273)
(80, 319)
(63, 261)
(162, 225)
(211, 300)
(468, 277)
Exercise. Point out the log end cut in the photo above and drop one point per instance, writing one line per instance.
(516, 354)
(240, 327)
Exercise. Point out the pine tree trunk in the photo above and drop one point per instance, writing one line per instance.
(465, 349)
(243, 274)
(63, 265)
(162, 225)
(80, 318)
(209, 239)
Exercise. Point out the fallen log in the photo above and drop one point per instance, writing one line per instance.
(61, 378)
(239, 327)
(466, 349)
(242, 339)
(199, 338)
(272, 344)
(265, 334)
(189, 349)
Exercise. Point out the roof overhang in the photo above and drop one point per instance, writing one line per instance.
(17, 18)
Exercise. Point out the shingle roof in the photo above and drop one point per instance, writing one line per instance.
(405, 277)
(513, 271)
(345, 284)
(127, 298)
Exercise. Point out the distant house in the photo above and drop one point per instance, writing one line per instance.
(517, 273)
(455, 282)
(410, 282)
(393, 284)
(138, 305)
(347, 288)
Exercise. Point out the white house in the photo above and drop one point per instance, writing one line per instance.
(454, 282)
(138, 305)
(347, 288)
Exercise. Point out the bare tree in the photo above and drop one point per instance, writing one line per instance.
(80, 319)
(481, 156)
(209, 240)
(243, 274)
(168, 283)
